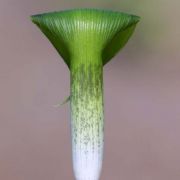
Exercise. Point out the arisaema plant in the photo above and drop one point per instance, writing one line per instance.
(87, 39)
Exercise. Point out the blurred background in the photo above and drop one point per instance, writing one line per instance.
(141, 89)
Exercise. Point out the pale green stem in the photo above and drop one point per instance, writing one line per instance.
(87, 119)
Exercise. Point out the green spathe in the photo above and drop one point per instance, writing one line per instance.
(107, 30)
(87, 39)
